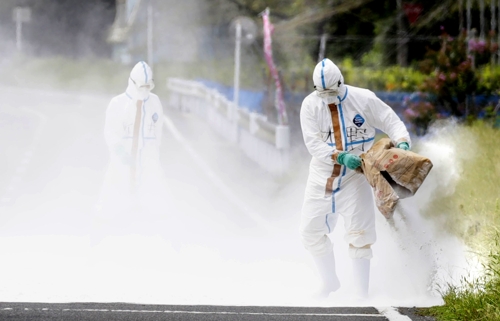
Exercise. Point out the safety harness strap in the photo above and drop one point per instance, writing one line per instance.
(334, 111)
(135, 143)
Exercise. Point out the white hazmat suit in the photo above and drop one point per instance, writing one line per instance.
(337, 118)
(133, 131)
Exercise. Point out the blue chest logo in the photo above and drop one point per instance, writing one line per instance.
(155, 117)
(358, 120)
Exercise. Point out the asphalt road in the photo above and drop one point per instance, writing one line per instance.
(224, 234)
(116, 311)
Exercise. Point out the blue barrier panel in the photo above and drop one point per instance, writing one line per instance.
(399, 98)
(249, 99)
(253, 100)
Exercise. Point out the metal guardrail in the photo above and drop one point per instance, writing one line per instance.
(265, 143)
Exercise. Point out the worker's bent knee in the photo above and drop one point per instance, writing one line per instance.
(364, 252)
(316, 244)
(313, 234)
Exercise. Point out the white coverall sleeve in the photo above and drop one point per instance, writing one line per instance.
(385, 119)
(113, 127)
(312, 136)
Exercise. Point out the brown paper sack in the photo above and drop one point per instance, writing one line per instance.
(393, 173)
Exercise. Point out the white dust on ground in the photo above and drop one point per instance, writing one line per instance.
(244, 266)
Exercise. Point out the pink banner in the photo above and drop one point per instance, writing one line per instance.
(279, 102)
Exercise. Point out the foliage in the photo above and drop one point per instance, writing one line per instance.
(452, 77)
(453, 81)
(372, 59)
(475, 299)
(420, 112)
(366, 26)
(472, 212)
(489, 79)
(393, 78)
(483, 50)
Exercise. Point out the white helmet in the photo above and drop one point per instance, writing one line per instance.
(327, 76)
(141, 81)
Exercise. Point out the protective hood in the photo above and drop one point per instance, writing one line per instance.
(328, 81)
(140, 82)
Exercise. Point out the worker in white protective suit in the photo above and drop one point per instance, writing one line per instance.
(338, 124)
(133, 131)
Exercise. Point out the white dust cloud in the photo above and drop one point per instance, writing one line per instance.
(196, 247)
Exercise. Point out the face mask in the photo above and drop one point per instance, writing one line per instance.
(328, 93)
(330, 96)
(142, 93)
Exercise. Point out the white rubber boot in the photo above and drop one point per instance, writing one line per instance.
(361, 277)
(326, 269)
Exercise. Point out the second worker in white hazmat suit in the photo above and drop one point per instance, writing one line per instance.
(338, 124)
(133, 131)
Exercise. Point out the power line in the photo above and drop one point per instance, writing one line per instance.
(333, 38)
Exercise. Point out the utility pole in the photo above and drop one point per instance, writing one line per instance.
(150, 34)
(402, 36)
(493, 28)
(493, 8)
(322, 46)
(460, 16)
(20, 15)
(469, 19)
(237, 54)
(481, 19)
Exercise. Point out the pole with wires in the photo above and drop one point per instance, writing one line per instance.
(469, 22)
(481, 19)
(237, 55)
(460, 16)
(493, 9)
(402, 37)
(493, 21)
(20, 15)
(150, 34)
(498, 33)
(322, 46)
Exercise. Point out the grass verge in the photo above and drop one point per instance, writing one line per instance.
(477, 299)
(473, 213)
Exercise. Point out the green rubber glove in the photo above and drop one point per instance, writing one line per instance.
(349, 160)
(404, 145)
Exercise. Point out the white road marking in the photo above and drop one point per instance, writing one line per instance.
(212, 312)
(228, 193)
(392, 314)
